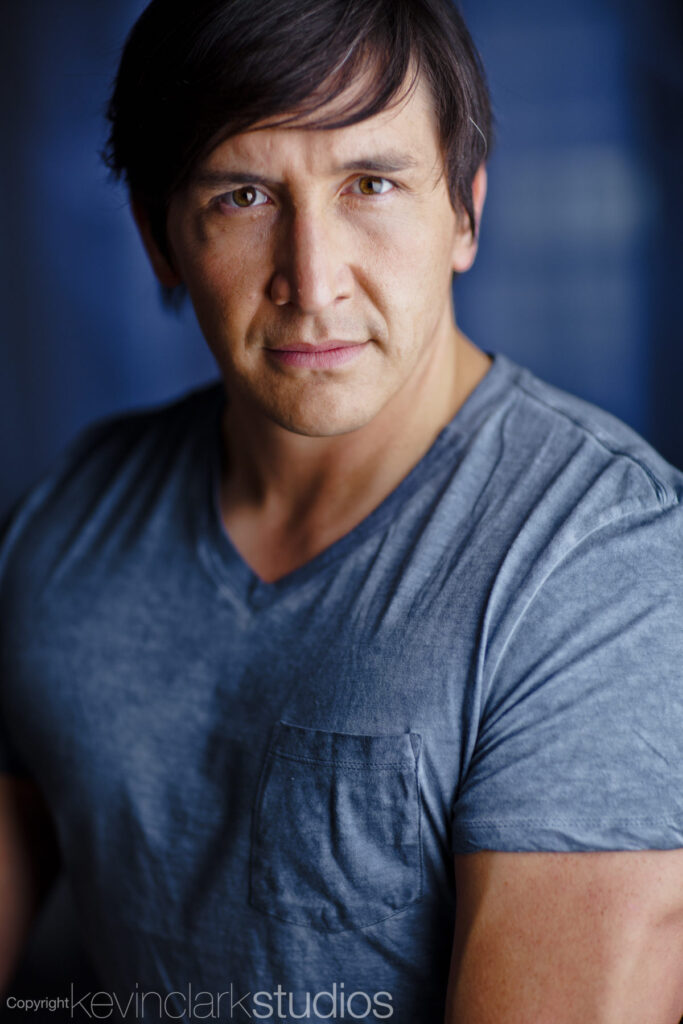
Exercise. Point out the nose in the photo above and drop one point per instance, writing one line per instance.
(310, 273)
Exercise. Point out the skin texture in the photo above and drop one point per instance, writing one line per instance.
(559, 938)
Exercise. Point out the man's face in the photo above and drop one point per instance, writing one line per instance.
(319, 263)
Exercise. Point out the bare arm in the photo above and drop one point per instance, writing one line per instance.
(29, 860)
(554, 938)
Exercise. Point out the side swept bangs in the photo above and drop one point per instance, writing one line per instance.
(195, 72)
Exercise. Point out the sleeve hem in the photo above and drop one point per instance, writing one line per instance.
(567, 836)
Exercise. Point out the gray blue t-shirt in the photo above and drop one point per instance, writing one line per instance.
(263, 784)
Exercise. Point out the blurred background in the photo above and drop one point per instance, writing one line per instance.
(579, 274)
(579, 271)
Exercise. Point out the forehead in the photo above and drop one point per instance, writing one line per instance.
(405, 133)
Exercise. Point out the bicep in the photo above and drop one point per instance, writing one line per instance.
(28, 863)
(568, 937)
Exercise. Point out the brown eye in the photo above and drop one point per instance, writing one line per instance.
(371, 186)
(244, 198)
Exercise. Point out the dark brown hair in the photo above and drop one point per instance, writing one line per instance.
(194, 72)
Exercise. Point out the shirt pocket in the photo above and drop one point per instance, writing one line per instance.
(336, 835)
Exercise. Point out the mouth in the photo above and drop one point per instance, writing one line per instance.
(324, 356)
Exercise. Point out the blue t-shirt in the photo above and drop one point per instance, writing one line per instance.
(263, 784)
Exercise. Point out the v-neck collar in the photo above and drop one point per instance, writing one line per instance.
(225, 563)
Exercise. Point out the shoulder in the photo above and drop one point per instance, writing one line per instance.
(598, 510)
(576, 741)
(563, 432)
(571, 479)
(115, 461)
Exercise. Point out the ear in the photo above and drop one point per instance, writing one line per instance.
(166, 273)
(465, 244)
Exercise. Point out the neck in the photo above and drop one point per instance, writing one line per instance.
(306, 492)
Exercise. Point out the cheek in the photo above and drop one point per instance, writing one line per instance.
(222, 268)
(412, 250)
(225, 290)
(410, 273)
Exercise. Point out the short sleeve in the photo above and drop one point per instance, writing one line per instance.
(14, 531)
(580, 734)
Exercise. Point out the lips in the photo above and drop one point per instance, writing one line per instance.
(324, 346)
(324, 356)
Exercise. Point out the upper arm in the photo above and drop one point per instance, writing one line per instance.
(567, 938)
(28, 863)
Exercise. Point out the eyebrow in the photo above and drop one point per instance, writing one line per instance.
(385, 163)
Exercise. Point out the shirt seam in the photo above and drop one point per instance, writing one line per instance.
(492, 823)
(665, 496)
(355, 765)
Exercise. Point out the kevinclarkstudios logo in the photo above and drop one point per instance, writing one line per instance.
(333, 1003)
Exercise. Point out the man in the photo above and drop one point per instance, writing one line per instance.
(379, 621)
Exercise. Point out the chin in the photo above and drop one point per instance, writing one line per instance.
(315, 419)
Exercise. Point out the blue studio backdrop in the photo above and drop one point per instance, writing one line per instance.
(578, 274)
